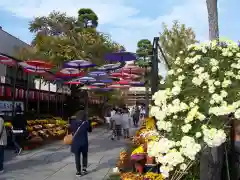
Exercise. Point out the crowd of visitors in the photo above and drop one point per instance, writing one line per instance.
(120, 119)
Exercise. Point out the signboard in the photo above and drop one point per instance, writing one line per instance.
(6, 106)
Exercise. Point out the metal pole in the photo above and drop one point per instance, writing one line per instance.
(26, 93)
(38, 102)
(62, 100)
(147, 91)
(154, 66)
(233, 170)
(14, 91)
(48, 104)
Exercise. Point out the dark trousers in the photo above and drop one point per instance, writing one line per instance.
(1, 157)
(126, 133)
(135, 121)
(78, 160)
(118, 130)
(17, 141)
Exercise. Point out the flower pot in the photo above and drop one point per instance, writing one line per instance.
(151, 168)
(139, 168)
(150, 160)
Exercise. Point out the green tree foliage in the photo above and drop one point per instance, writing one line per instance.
(59, 38)
(86, 14)
(176, 39)
(144, 50)
(55, 24)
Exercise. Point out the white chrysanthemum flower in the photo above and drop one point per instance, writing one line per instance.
(186, 128)
(198, 134)
(183, 166)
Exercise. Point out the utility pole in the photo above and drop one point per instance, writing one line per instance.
(154, 66)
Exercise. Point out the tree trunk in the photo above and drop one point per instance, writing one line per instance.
(211, 160)
(213, 19)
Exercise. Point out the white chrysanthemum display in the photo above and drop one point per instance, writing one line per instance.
(202, 89)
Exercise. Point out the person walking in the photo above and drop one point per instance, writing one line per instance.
(3, 143)
(113, 112)
(19, 131)
(80, 128)
(107, 118)
(117, 121)
(136, 116)
(126, 122)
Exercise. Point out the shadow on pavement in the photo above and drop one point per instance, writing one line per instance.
(37, 161)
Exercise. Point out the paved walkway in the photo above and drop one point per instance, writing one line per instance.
(55, 162)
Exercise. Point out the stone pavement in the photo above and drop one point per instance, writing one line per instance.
(55, 162)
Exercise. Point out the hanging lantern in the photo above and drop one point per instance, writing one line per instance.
(26, 94)
(34, 95)
(45, 96)
(16, 93)
(21, 93)
(52, 97)
(8, 92)
(2, 91)
(41, 96)
(31, 93)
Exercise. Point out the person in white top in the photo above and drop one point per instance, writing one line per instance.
(113, 112)
(107, 118)
(117, 122)
(126, 118)
(3, 143)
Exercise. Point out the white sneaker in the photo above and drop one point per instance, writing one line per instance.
(1, 171)
(20, 150)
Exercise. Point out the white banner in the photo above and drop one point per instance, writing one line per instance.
(7, 105)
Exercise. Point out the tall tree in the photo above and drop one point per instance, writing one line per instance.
(144, 52)
(59, 38)
(86, 15)
(175, 39)
(213, 19)
(55, 24)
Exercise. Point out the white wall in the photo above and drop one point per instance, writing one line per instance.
(44, 86)
(8, 45)
(53, 87)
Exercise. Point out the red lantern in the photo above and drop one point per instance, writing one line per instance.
(32, 95)
(26, 94)
(1, 90)
(21, 93)
(16, 93)
(8, 92)
(45, 96)
(52, 97)
(41, 96)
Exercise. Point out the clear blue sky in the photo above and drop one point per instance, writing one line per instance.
(126, 20)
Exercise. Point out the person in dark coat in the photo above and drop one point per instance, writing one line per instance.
(136, 116)
(19, 124)
(80, 128)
